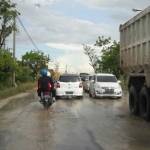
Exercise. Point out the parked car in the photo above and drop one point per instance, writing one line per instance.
(105, 85)
(69, 85)
(86, 83)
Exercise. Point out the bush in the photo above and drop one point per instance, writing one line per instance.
(24, 74)
(7, 65)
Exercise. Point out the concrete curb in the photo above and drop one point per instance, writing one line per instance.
(5, 101)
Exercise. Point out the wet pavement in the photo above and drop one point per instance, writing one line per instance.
(72, 124)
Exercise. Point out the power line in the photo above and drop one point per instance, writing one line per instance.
(32, 41)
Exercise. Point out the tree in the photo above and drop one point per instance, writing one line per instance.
(91, 53)
(102, 43)
(35, 60)
(7, 14)
(110, 59)
(23, 73)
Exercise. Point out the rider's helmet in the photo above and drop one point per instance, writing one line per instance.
(43, 72)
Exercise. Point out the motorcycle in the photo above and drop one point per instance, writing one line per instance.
(47, 97)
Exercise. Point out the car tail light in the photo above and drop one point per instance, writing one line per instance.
(80, 85)
(58, 85)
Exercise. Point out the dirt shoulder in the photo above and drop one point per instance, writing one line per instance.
(4, 102)
(22, 88)
(22, 91)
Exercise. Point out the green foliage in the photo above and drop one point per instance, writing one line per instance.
(7, 14)
(110, 59)
(7, 65)
(6, 61)
(101, 42)
(23, 74)
(35, 60)
(26, 70)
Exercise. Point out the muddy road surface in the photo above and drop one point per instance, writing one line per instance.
(72, 124)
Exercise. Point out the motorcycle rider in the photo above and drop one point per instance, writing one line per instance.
(45, 82)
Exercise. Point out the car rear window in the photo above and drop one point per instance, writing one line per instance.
(106, 79)
(69, 79)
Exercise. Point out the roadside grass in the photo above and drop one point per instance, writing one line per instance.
(124, 86)
(19, 89)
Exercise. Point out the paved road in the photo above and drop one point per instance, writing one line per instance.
(88, 124)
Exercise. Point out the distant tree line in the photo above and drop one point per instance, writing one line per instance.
(26, 69)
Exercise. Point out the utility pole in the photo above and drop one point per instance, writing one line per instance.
(14, 52)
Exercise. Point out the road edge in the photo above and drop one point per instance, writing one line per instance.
(5, 101)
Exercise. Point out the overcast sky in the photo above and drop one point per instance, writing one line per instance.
(60, 27)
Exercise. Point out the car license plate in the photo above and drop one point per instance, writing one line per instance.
(109, 91)
(69, 92)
